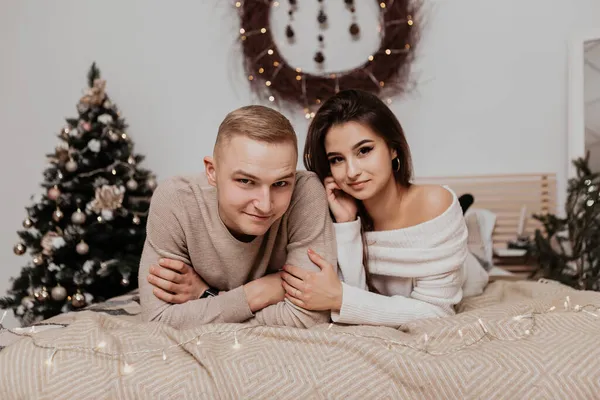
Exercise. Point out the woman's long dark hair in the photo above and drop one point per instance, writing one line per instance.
(368, 110)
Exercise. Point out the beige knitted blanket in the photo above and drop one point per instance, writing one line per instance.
(519, 340)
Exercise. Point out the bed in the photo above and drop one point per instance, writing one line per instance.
(519, 339)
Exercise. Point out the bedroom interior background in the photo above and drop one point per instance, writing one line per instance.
(449, 116)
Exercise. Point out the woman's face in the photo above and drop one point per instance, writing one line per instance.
(360, 160)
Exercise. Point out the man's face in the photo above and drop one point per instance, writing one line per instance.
(254, 181)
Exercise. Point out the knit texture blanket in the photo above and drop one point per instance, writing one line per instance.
(516, 340)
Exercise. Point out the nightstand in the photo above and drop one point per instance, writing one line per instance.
(512, 264)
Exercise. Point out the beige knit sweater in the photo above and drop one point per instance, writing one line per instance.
(184, 224)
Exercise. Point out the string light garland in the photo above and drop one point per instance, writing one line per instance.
(473, 333)
(385, 72)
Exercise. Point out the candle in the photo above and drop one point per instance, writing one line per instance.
(522, 221)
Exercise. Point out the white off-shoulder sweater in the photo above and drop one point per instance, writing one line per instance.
(421, 271)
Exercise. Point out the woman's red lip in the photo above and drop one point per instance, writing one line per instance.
(357, 183)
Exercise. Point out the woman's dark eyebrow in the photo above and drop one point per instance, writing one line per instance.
(356, 146)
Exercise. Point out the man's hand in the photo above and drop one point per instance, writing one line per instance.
(264, 291)
(175, 282)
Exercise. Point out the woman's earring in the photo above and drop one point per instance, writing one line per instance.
(397, 168)
(307, 159)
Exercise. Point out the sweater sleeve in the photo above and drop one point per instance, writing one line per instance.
(350, 254)
(309, 226)
(165, 237)
(433, 296)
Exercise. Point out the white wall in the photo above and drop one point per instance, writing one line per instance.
(492, 97)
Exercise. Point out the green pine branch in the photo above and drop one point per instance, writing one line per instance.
(568, 248)
(93, 74)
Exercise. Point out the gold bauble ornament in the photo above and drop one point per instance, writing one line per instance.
(41, 295)
(78, 300)
(27, 223)
(113, 137)
(19, 249)
(57, 215)
(38, 260)
(136, 220)
(64, 133)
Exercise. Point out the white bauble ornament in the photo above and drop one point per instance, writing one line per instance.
(71, 166)
(131, 184)
(59, 293)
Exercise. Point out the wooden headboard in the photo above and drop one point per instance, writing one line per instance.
(505, 195)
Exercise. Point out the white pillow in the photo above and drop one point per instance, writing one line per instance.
(476, 278)
(480, 225)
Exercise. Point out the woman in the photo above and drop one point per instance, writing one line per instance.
(402, 248)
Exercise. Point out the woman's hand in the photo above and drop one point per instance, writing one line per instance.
(313, 290)
(342, 205)
(175, 282)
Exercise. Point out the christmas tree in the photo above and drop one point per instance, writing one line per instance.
(86, 233)
(569, 248)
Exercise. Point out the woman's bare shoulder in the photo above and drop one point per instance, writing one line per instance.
(429, 201)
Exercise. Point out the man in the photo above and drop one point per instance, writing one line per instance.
(236, 226)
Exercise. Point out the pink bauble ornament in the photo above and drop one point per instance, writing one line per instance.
(82, 248)
(53, 193)
(78, 217)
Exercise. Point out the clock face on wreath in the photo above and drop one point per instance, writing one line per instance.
(384, 72)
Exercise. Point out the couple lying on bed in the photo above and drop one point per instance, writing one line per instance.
(252, 240)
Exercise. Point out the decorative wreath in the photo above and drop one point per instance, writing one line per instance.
(385, 72)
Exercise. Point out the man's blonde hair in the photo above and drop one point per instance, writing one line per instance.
(259, 123)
